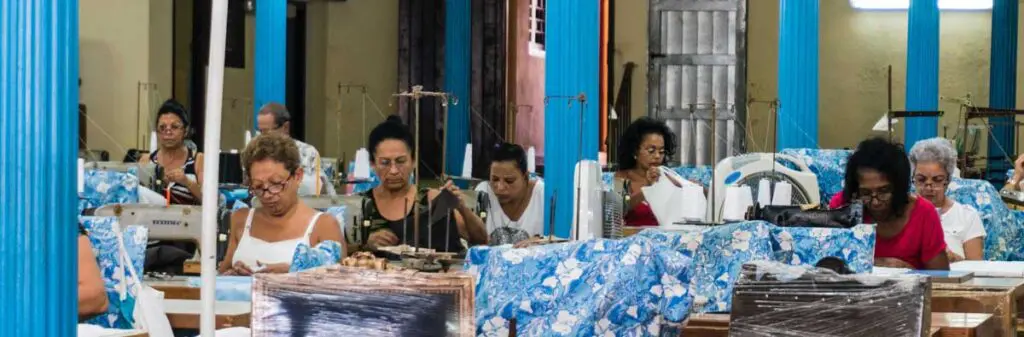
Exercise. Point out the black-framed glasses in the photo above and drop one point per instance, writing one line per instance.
(169, 127)
(270, 188)
(930, 182)
(883, 195)
(384, 163)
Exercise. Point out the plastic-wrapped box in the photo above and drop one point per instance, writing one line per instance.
(773, 299)
(343, 301)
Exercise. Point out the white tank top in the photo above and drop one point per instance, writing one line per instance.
(252, 249)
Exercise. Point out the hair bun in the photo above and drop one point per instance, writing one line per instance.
(394, 119)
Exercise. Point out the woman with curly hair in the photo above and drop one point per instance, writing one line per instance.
(909, 229)
(644, 146)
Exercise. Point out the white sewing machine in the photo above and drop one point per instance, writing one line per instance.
(172, 223)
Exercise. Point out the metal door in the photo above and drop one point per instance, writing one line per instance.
(698, 69)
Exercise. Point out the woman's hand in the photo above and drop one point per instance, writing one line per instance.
(382, 238)
(239, 269)
(451, 187)
(177, 176)
(272, 268)
(891, 262)
(652, 175)
(953, 257)
(533, 241)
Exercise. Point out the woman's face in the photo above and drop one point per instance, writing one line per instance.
(875, 192)
(277, 189)
(393, 162)
(931, 181)
(651, 152)
(507, 181)
(171, 130)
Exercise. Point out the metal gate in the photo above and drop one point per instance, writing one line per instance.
(698, 69)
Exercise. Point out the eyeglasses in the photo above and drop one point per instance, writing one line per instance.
(388, 163)
(168, 128)
(655, 151)
(931, 182)
(883, 195)
(270, 188)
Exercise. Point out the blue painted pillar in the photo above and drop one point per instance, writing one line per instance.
(1003, 81)
(797, 124)
(571, 67)
(922, 70)
(271, 51)
(39, 146)
(457, 62)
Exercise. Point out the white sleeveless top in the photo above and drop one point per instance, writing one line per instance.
(252, 249)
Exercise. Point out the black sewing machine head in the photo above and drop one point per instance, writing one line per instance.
(795, 216)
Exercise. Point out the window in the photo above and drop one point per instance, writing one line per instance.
(538, 10)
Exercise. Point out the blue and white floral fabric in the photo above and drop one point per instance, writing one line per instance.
(803, 246)
(1005, 230)
(228, 288)
(828, 165)
(366, 186)
(697, 174)
(627, 287)
(102, 236)
(339, 213)
(324, 254)
(103, 187)
(720, 255)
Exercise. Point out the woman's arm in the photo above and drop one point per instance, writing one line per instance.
(92, 296)
(974, 232)
(196, 188)
(933, 239)
(234, 235)
(973, 249)
(470, 226)
(328, 229)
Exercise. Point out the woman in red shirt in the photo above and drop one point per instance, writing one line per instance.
(909, 230)
(644, 146)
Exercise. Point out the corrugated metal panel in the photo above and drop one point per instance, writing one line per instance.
(457, 64)
(698, 57)
(798, 74)
(1003, 80)
(572, 63)
(271, 39)
(38, 136)
(922, 70)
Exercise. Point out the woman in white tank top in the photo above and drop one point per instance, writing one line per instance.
(264, 239)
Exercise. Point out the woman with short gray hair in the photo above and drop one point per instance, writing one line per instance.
(934, 161)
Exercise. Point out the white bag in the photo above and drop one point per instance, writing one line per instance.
(148, 314)
(671, 203)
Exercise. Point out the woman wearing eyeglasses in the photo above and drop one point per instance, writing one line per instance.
(264, 239)
(909, 232)
(179, 170)
(933, 161)
(645, 145)
(391, 203)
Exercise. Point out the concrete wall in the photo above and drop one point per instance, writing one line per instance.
(123, 43)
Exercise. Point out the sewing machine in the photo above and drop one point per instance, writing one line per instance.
(172, 223)
(800, 216)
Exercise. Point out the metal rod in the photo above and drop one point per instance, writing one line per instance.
(888, 112)
(714, 139)
(430, 226)
(448, 232)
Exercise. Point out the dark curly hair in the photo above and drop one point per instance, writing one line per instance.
(172, 107)
(507, 152)
(887, 158)
(279, 148)
(629, 144)
(392, 128)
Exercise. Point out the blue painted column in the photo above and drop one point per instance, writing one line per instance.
(797, 124)
(922, 70)
(1003, 81)
(457, 62)
(271, 51)
(39, 146)
(572, 67)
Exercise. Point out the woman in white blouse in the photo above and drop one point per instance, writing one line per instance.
(934, 160)
(515, 212)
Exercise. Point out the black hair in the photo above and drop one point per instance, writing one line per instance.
(391, 128)
(887, 158)
(634, 134)
(172, 107)
(504, 152)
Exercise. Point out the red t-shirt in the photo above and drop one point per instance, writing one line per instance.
(921, 239)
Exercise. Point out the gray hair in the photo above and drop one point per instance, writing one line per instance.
(934, 150)
(278, 110)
